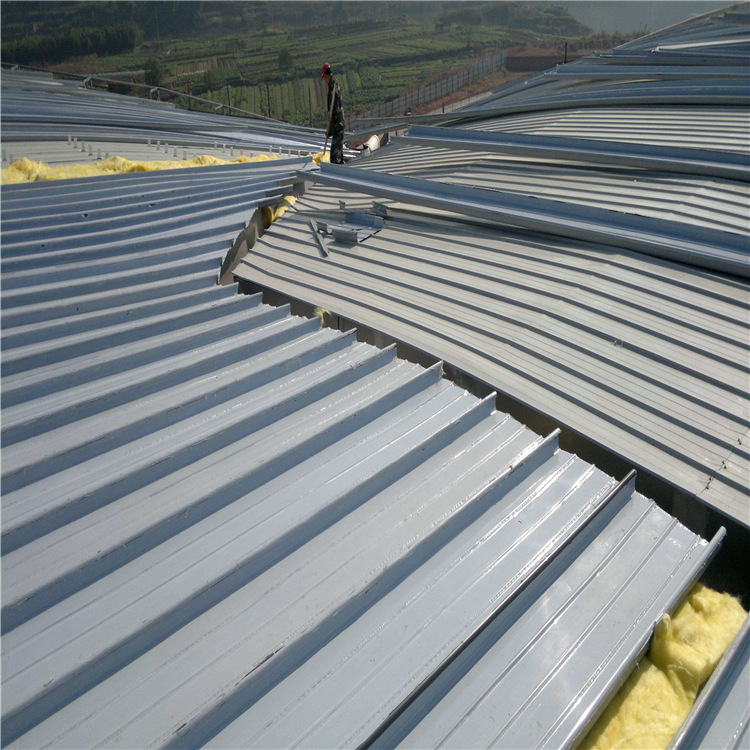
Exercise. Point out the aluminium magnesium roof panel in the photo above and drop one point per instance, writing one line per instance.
(716, 203)
(641, 355)
(45, 111)
(386, 655)
(61, 152)
(701, 63)
(713, 128)
(485, 699)
(208, 503)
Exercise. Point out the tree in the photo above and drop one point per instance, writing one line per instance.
(285, 60)
(154, 72)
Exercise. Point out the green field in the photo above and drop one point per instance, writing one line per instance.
(266, 57)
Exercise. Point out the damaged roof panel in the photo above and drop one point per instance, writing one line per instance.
(210, 506)
(587, 259)
(641, 355)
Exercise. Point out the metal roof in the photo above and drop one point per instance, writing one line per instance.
(586, 151)
(642, 355)
(597, 276)
(39, 111)
(696, 127)
(227, 526)
(620, 95)
(701, 65)
(576, 216)
(720, 717)
(218, 517)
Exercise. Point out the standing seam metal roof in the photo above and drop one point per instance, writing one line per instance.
(226, 526)
(591, 278)
(641, 355)
(218, 517)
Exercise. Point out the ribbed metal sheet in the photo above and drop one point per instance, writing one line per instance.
(37, 108)
(62, 152)
(644, 356)
(715, 203)
(683, 86)
(226, 526)
(720, 717)
(713, 128)
(521, 271)
(700, 246)
(540, 656)
(586, 151)
(704, 60)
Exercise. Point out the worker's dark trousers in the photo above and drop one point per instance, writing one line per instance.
(337, 146)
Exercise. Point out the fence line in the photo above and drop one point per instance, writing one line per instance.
(401, 104)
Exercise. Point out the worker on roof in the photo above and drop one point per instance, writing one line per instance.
(335, 128)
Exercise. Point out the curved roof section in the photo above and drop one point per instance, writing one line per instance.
(39, 108)
(226, 526)
(699, 62)
(211, 507)
(644, 356)
(696, 127)
(701, 66)
(598, 276)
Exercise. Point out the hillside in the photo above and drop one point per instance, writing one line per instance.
(264, 57)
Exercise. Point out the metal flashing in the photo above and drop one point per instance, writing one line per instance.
(586, 150)
(709, 249)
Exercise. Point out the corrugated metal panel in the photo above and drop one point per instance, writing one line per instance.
(548, 656)
(684, 86)
(226, 526)
(703, 201)
(540, 294)
(587, 151)
(431, 620)
(720, 717)
(704, 247)
(217, 516)
(645, 357)
(39, 109)
(63, 151)
(714, 128)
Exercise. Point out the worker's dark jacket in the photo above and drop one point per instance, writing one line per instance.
(336, 125)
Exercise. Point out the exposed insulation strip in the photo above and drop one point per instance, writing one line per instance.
(25, 170)
(271, 213)
(655, 700)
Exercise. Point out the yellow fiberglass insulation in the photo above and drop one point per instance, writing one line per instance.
(655, 700)
(271, 213)
(25, 170)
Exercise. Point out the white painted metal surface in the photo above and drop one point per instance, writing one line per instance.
(486, 261)
(217, 517)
